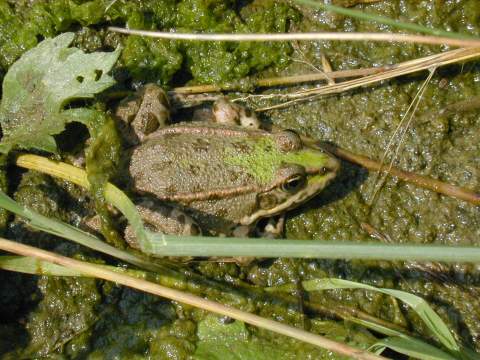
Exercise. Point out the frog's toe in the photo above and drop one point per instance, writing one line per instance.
(226, 112)
(274, 227)
(249, 119)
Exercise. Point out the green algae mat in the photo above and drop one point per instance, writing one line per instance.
(83, 318)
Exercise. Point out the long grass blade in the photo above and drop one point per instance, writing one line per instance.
(315, 36)
(169, 245)
(384, 20)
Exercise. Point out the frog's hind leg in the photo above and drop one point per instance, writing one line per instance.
(143, 113)
(228, 113)
(154, 111)
(162, 219)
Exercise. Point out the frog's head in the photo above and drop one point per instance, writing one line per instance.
(290, 171)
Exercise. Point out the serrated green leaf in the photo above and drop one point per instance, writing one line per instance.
(41, 83)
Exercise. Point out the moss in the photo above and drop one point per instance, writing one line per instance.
(214, 62)
(150, 60)
(153, 60)
(102, 156)
(130, 324)
(66, 310)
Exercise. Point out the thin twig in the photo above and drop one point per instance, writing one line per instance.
(278, 81)
(419, 180)
(186, 298)
(312, 36)
(412, 108)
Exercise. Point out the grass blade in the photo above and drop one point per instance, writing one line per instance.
(384, 20)
(170, 245)
(72, 233)
(33, 266)
(409, 345)
(412, 347)
(434, 323)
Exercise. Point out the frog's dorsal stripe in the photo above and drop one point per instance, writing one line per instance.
(212, 194)
(207, 131)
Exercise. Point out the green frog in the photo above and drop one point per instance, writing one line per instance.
(218, 176)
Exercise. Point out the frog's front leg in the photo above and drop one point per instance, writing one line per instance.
(162, 219)
(228, 113)
(274, 228)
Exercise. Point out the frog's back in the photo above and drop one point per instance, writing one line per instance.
(184, 159)
(189, 166)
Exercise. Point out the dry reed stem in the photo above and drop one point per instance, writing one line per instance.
(312, 36)
(419, 180)
(178, 93)
(400, 69)
(186, 298)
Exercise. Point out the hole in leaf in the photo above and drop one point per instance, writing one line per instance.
(98, 74)
(80, 79)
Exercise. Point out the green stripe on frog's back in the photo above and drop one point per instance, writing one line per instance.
(265, 158)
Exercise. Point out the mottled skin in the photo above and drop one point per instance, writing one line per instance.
(225, 176)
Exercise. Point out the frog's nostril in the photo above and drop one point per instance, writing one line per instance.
(322, 171)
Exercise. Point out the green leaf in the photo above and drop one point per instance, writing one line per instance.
(420, 306)
(41, 83)
(218, 341)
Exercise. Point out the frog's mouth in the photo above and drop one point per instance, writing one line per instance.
(317, 180)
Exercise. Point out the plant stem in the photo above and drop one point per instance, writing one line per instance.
(315, 36)
(418, 180)
(384, 20)
(281, 80)
(404, 68)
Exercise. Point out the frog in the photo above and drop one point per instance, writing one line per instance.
(220, 175)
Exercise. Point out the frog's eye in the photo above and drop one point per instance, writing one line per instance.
(288, 140)
(294, 183)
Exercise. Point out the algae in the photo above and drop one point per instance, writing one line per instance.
(152, 60)
(105, 321)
